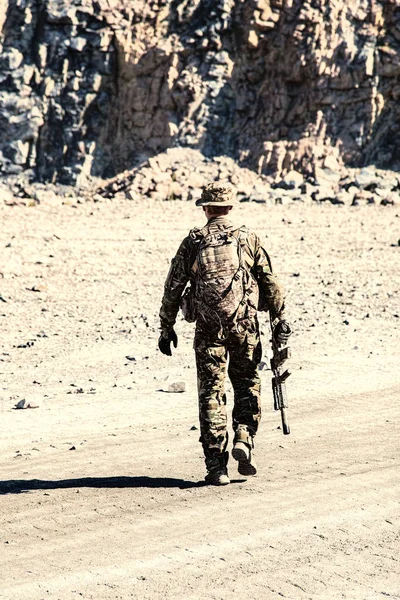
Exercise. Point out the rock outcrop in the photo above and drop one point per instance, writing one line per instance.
(90, 88)
(181, 173)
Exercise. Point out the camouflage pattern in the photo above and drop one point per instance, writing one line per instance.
(244, 350)
(223, 288)
(216, 194)
(214, 344)
(177, 278)
(256, 258)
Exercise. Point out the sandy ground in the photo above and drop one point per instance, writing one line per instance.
(102, 492)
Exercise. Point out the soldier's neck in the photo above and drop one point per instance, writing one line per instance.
(218, 219)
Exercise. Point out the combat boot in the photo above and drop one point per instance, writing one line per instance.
(242, 451)
(217, 469)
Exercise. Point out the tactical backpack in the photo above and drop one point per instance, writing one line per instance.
(222, 290)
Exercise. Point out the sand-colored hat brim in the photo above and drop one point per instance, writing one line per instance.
(201, 202)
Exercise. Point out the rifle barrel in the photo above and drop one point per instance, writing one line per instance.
(285, 424)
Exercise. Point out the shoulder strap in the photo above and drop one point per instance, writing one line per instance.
(196, 234)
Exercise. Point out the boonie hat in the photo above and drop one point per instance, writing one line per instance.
(216, 194)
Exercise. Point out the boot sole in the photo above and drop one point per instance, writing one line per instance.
(218, 481)
(245, 464)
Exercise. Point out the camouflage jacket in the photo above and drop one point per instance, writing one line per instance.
(271, 292)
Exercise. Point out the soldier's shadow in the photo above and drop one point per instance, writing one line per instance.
(19, 486)
(22, 486)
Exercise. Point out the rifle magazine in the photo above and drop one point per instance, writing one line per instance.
(280, 395)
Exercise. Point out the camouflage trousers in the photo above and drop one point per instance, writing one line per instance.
(243, 349)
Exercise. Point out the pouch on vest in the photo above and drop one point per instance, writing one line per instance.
(188, 305)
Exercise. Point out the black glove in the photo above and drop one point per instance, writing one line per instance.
(164, 341)
(282, 332)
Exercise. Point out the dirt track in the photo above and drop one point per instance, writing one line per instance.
(102, 484)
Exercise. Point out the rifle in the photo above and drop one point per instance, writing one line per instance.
(280, 354)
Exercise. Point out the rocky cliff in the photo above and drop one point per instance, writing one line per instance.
(93, 87)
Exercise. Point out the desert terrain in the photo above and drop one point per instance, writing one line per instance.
(102, 491)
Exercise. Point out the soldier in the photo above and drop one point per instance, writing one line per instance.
(230, 277)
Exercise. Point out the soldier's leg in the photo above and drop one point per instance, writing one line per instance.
(211, 357)
(244, 358)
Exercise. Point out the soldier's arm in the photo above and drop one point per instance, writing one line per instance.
(177, 278)
(271, 290)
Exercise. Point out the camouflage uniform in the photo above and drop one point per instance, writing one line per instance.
(214, 344)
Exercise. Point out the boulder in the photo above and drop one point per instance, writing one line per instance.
(293, 179)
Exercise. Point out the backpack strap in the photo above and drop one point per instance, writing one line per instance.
(196, 234)
(241, 235)
(237, 234)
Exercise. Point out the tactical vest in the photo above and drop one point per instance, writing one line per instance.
(222, 289)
